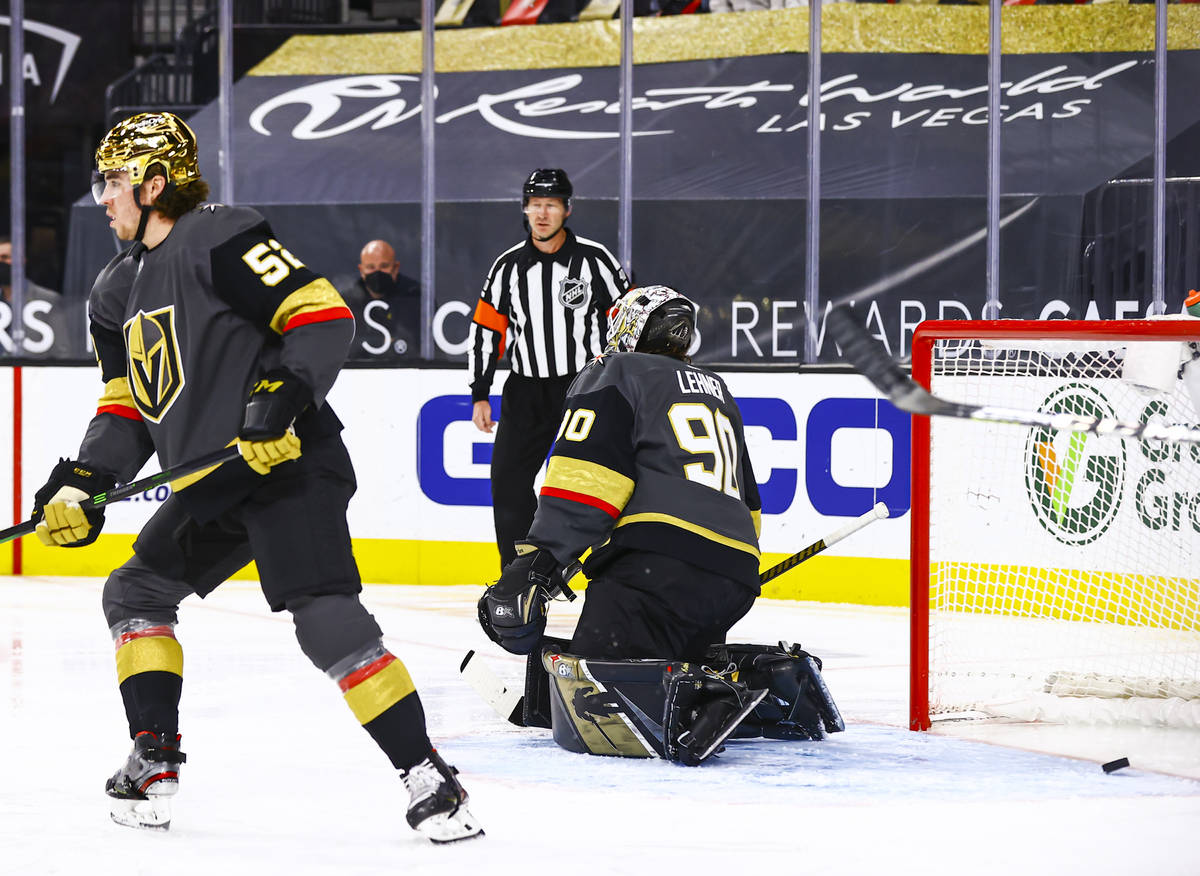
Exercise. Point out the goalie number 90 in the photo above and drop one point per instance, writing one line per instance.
(699, 431)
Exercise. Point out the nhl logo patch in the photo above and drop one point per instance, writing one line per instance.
(572, 292)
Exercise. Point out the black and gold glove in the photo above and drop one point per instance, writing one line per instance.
(513, 610)
(267, 437)
(61, 520)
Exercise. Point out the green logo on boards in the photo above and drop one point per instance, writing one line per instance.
(1074, 480)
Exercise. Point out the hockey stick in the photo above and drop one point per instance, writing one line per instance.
(506, 701)
(871, 360)
(879, 511)
(147, 483)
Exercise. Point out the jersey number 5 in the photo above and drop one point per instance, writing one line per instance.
(701, 431)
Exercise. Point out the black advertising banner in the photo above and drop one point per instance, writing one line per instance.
(73, 50)
(720, 181)
(895, 126)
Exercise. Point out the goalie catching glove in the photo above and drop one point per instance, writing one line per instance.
(513, 610)
(267, 436)
(61, 520)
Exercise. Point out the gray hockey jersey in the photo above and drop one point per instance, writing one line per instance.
(650, 455)
(182, 331)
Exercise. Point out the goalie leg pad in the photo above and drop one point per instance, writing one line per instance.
(702, 711)
(799, 704)
(606, 707)
(643, 708)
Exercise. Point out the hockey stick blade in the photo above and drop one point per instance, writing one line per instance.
(139, 486)
(876, 513)
(871, 360)
(505, 701)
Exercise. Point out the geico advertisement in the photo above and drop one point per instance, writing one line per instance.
(824, 449)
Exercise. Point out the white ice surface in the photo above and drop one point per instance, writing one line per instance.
(281, 780)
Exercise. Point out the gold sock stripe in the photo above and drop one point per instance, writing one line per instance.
(377, 693)
(149, 654)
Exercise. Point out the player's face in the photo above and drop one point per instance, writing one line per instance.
(546, 216)
(115, 194)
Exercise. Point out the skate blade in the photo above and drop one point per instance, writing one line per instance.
(153, 813)
(450, 827)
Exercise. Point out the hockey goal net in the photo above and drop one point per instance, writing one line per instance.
(1056, 576)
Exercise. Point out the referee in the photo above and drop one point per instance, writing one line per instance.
(552, 292)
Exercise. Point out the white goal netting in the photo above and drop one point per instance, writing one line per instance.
(1064, 568)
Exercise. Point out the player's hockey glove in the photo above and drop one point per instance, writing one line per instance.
(56, 505)
(267, 436)
(513, 610)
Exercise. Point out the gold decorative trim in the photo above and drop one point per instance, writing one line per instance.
(845, 27)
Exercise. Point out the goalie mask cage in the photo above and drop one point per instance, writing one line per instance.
(1055, 575)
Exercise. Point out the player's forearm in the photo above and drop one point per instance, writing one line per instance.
(315, 353)
(116, 445)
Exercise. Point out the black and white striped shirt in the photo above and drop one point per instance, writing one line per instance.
(553, 307)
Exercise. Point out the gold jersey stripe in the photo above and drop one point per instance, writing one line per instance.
(375, 695)
(317, 295)
(116, 392)
(756, 516)
(590, 479)
(654, 517)
(149, 654)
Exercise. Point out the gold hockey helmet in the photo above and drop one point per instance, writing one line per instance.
(150, 138)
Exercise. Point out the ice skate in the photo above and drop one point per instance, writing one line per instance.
(437, 806)
(141, 790)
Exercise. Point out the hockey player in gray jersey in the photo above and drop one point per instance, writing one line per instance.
(650, 471)
(208, 331)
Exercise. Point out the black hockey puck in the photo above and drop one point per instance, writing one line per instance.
(1113, 765)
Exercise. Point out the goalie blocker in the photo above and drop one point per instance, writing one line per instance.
(677, 710)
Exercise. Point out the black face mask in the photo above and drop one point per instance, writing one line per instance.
(5, 274)
(380, 283)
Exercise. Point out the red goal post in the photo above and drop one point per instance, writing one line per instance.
(1082, 366)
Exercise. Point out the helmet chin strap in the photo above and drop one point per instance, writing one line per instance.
(145, 208)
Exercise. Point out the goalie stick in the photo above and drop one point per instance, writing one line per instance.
(876, 513)
(124, 492)
(870, 359)
(508, 701)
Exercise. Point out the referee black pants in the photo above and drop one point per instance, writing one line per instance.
(530, 412)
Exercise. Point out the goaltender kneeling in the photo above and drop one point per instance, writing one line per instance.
(650, 471)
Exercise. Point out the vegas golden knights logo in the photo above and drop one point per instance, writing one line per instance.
(155, 368)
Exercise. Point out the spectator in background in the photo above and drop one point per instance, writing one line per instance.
(44, 315)
(386, 305)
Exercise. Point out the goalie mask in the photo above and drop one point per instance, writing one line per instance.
(141, 141)
(652, 319)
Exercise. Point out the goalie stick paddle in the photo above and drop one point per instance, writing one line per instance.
(507, 702)
(871, 360)
(876, 513)
(124, 492)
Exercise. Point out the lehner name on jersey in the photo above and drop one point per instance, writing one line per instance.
(698, 381)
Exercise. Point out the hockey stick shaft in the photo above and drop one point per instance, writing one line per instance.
(124, 492)
(878, 512)
(871, 360)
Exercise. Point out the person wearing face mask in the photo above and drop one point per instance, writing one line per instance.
(386, 304)
(546, 301)
(45, 319)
